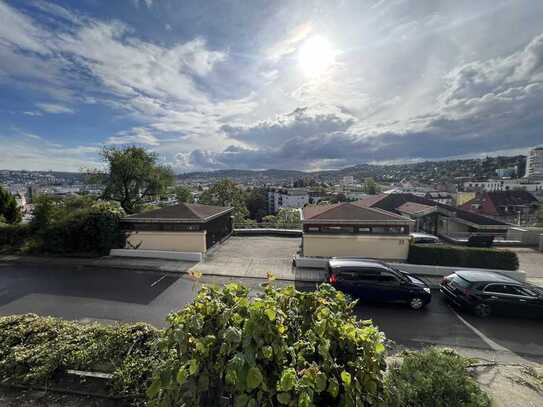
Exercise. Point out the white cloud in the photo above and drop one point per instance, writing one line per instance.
(137, 135)
(54, 108)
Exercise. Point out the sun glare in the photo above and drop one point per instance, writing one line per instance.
(316, 55)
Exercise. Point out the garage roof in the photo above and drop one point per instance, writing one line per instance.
(183, 212)
(351, 212)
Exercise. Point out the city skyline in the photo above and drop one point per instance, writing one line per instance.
(290, 85)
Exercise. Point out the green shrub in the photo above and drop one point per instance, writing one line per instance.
(284, 348)
(14, 235)
(456, 256)
(34, 350)
(93, 230)
(432, 378)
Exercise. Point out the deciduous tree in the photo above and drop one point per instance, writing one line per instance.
(133, 176)
(9, 211)
(226, 193)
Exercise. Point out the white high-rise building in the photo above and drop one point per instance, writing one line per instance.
(534, 163)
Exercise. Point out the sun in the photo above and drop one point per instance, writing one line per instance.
(316, 56)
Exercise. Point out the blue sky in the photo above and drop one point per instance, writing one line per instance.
(268, 84)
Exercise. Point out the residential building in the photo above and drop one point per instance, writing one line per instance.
(279, 198)
(432, 217)
(182, 228)
(441, 197)
(350, 229)
(493, 185)
(534, 163)
(507, 172)
(516, 207)
(347, 181)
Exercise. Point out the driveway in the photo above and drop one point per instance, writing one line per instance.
(530, 261)
(252, 256)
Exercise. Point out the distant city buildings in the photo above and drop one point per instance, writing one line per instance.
(534, 163)
(493, 185)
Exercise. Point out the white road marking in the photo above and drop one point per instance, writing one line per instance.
(159, 280)
(493, 345)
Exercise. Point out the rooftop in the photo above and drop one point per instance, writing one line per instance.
(182, 212)
(351, 212)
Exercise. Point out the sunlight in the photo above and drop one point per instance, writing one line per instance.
(316, 55)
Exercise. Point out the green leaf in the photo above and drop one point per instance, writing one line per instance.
(304, 400)
(181, 375)
(232, 335)
(241, 400)
(283, 398)
(270, 313)
(346, 378)
(254, 378)
(267, 351)
(287, 380)
(320, 382)
(153, 389)
(333, 387)
(379, 347)
(231, 377)
(193, 366)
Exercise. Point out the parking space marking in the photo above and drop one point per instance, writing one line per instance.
(159, 280)
(493, 345)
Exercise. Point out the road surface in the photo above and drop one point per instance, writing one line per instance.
(108, 296)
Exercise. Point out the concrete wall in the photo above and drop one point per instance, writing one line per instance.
(374, 246)
(529, 236)
(169, 241)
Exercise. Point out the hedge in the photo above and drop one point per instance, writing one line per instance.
(86, 231)
(36, 350)
(14, 235)
(456, 256)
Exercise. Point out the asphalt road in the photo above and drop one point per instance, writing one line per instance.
(117, 295)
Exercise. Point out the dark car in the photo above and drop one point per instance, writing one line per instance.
(375, 281)
(487, 293)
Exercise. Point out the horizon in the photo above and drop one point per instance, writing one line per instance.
(283, 85)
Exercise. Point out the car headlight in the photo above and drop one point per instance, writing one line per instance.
(426, 290)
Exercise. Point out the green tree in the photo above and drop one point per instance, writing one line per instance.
(226, 193)
(183, 194)
(133, 176)
(9, 211)
(371, 187)
(257, 204)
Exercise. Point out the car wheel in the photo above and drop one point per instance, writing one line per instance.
(482, 310)
(416, 303)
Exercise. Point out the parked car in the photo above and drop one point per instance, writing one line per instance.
(486, 293)
(421, 238)
(375, 281)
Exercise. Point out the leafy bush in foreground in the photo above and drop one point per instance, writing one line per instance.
(458, 256)
(34, 350)
(284, 348)
(433, 378)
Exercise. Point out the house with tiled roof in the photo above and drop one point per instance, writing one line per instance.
(517, 206)
(436, 218)
(193, 228)
(351, 229)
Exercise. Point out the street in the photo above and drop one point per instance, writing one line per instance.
(88, 294)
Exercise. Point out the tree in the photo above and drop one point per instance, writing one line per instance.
(371, 187)
(9, 211)
(133, 176)
(257, 204)
(226, 193)
(183, 194)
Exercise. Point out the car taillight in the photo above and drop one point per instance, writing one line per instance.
(332, 278)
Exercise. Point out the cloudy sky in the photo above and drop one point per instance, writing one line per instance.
(268, 84)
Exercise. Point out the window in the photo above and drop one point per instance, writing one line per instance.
(386, 277)
(313, 229)
(505, 289)
(337, 229)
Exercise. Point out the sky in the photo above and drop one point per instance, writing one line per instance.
(257, 84)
